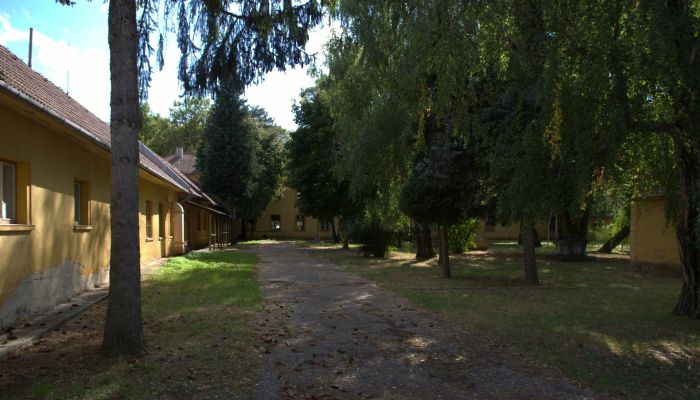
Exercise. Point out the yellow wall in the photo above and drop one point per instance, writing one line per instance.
(155, 247)
(652, 241)
(507, 232)
(286, 209)
(54, 164)
(197, 226)
(49, 259)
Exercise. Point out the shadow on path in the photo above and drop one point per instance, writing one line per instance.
(329, 334)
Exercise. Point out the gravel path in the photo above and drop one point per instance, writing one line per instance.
(329, 334)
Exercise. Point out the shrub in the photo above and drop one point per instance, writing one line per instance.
(373, 237)
(461, 235)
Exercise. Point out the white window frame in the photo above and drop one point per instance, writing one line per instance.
(4, 217)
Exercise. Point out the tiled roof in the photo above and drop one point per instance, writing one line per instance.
(187, 164)
(18, 75)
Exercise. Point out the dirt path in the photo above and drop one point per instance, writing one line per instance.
(329, 334)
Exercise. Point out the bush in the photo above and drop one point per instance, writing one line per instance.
(373, 237)
(461, 236)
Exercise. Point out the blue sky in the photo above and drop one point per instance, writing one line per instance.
(70, 49)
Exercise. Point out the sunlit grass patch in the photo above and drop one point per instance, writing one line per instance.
(197, 312)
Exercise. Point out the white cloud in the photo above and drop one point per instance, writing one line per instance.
(278, 91)
(84, 73)
(89, 73)
(165, 87)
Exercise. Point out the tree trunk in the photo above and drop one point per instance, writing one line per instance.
(336, 239)
(688, 230)
(444, 253)
(423, 240)
(617, 238)
(530, 263)
(243, 228)
(234, 237)
(572, 234)
(123, 333)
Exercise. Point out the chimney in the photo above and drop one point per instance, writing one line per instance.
(179, 152)
(31, 39)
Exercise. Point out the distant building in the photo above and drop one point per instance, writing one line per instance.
(185, 163)
(653, 241)
(283, 220)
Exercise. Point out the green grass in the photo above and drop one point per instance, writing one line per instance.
(602, 323)
(197, 313)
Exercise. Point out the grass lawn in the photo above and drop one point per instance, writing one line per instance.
(602, 323)
(196, 312)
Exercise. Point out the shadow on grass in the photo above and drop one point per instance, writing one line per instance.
(603, 323)
(196, 310)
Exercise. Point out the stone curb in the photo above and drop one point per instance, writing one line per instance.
(29, 332)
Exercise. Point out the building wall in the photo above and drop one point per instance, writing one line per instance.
(51, 259)
(197, 227)
(156, 246)
(45, 258)
(652, 240)
(287, 210)
(507, 232)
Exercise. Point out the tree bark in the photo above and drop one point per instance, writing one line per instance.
(530, 263)
(423, 240)
(123, 333)
(234, 237)
(572, 234)
(617, 238)
(688, 230)
(444, 252)
(243, 228)
(336, 238)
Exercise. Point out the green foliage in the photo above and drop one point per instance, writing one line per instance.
(234, 41)
(268, 167)
(462, 235)
(444, 185)
(155, 130)
(228, 157)
(184, 128)
(313, 155)
(373, 236)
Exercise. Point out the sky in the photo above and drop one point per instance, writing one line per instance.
(70, 49)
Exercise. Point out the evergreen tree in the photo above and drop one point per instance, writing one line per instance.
(228, 156)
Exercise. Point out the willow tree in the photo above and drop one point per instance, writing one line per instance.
(401, 86)
(221, 41)
(655, 69)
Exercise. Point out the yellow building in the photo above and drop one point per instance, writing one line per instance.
(493, 231)
(652, 240)
(283, 220)
(55, 193)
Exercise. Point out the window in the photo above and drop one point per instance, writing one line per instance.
(161, 221)
(325, 226)
(76, 203)
(275, 222)
(490, 225)
(301, 226)
(8, 192)
(149, 218)
(81, 204)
